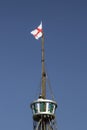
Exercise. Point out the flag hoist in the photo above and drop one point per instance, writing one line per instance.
(43, 109)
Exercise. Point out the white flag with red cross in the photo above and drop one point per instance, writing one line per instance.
(37, 33)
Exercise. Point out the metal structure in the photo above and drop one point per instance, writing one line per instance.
(43, 109)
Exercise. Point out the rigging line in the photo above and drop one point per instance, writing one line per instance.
(48, 81)
(38, 89)
(50, 88)
(55, 124)
(38, 124)
(50, 127)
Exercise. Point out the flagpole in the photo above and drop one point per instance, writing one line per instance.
(43, 87)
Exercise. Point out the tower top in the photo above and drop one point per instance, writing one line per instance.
(42, 108)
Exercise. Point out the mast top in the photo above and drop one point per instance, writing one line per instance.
(37, 33)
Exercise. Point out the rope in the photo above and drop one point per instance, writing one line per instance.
(50, 88)
(38, 124)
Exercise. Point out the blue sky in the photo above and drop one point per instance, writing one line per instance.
(65, 29)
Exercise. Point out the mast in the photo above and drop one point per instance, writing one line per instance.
(43, 85)
(43, 109)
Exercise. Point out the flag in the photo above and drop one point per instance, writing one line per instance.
(37, 33)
